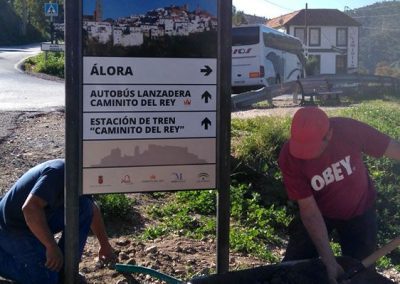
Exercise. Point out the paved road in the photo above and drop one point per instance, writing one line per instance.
(20, 92)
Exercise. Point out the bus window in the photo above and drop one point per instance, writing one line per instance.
(245, 36)
(282, 43)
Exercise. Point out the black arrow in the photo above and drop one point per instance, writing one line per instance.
(206, 122)
(207, 70)
(206, 96)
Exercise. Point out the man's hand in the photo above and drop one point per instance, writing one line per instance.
(316, 228)
(334, 270)
(54, 258)
(107, 255)
(106, 252)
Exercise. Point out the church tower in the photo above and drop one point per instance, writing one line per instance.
(98, 14)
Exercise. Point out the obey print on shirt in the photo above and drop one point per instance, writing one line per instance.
(335, 172)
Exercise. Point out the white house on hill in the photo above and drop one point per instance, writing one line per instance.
(330, 37)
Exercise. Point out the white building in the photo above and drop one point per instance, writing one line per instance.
(127, 36)
(132, 30)
(101, 31)
(330, 37)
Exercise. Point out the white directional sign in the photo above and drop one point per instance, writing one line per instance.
(123, 98)
(149, 98)
(51, 9)
(105, 126)
(98, 70)
(46, 46)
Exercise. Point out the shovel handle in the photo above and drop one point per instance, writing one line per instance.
(372, 258)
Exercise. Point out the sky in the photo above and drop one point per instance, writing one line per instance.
(122, 8)
(275, 8)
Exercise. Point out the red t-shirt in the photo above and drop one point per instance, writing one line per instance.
(338, 179)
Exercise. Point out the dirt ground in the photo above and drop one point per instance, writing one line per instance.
(36, 137)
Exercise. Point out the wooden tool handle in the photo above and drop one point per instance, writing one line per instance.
(372, 258)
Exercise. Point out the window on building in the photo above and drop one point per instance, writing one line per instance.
(300, 34)
(341, 64)
(315, 37)
(341, 37)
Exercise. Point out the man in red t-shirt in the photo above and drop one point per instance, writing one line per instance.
(324, 172)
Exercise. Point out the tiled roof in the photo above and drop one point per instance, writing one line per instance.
(315, 17)
(281, 20)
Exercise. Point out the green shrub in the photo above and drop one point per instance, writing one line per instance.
(115, 206)
(51, 63)
(257, 142)
(200, 201)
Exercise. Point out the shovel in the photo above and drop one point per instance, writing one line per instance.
(370, 260)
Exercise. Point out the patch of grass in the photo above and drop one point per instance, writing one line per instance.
(247, 240)
(51, 63)
(260, 212)
(179, 218)
(192, 214)
(257, 142)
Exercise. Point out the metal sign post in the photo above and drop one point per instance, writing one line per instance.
(73, 43)
(224, 65)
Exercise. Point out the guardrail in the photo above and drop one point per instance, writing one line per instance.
(353, 84)
(350, 84)
(249, 98)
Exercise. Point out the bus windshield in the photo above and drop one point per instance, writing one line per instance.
(284, 43)
(245, 36)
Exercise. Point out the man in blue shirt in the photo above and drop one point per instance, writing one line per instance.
(30, 214)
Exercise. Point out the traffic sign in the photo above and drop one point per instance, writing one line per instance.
(147, 104)
(46, 46)
(51, 9)
(145, 96)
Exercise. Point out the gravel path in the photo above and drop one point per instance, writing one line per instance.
(7, 123)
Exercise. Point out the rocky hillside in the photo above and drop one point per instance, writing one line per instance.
(379, 34)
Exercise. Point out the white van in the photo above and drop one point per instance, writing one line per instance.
(262, 56)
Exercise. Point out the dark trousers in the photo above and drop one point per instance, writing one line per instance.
(357, 237)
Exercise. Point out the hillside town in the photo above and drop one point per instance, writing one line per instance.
(132, 30)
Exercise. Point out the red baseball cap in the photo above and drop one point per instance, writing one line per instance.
(309, 127)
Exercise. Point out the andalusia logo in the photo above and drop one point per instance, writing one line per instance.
(203, 177)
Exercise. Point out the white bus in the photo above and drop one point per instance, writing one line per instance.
(262, 56)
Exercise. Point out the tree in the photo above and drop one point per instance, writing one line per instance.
(384, 69)
(238, 17)
(32, 12)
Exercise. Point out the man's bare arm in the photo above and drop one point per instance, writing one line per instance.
(106, 252)
(393, 150)
(316, 228)
(35, 218)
